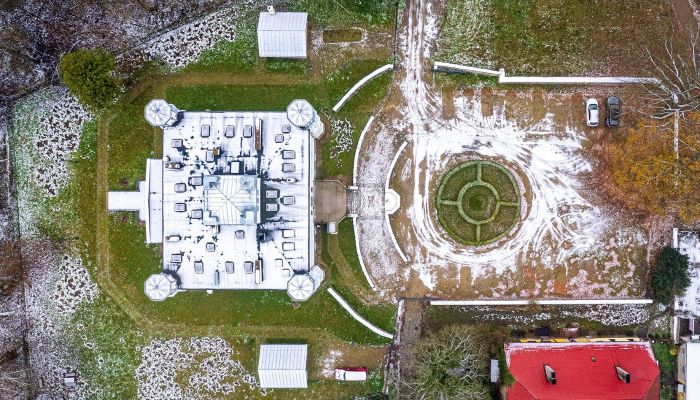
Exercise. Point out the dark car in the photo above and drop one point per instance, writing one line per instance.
(612, 111)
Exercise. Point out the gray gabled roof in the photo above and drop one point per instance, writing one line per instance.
(282, 35)
(282, 21)
(282, 366)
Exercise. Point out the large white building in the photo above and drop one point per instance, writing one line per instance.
(231, 200)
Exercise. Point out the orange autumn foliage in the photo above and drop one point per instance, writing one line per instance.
(645, 168)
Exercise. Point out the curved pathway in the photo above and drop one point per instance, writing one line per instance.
(408, 109)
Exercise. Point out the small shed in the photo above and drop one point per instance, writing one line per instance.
(282, 366)
(282, 35)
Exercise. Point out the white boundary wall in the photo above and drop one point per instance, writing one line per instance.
(357, 316)
(544, 80)
(386, 189)
(360, 83)
(560, 302)
(354, 182)
(357, 149)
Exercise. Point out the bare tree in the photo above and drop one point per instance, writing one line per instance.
(450, 364)
(13, 377)
(677, 70)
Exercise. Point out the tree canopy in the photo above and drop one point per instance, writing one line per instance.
(91, 76)
(449, 364)
(646, 170)
(670, 277)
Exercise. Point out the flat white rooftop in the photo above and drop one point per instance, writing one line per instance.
(237, 190)
(689, 303)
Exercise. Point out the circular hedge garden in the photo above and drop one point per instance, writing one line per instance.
(478, 202)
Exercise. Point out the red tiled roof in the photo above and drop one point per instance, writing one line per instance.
(578, 376)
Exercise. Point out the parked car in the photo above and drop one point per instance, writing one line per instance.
(357, 374)
(612, 111)
(592, 112)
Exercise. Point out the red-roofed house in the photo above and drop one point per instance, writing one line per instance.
(578, 371)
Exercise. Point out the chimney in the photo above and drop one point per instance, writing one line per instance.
(550, 374)
(271, 10)
(623, 375)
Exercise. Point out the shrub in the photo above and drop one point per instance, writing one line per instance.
(670, 277)
(91, 76)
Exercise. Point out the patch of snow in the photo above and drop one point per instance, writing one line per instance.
(45, 132)
(198, 368)
(341, 134)
(329, 363)
(55, 286)
(184, 44)
(610, 315)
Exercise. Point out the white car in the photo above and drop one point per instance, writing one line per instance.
(592, 111)
(351, 374)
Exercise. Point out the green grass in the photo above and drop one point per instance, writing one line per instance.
(341, 35)
(485, 225)
(340, 13)
(243, 97)
(357, 110)
(382, 315)
(346, 240)
(667, 365)
(524, 36)
(237, 56)
(283, 66)
(131, 141)
(109, 364)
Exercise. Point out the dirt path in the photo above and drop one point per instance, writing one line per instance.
(410, 332)
(410, 106)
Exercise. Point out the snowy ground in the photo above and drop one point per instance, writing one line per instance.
(198, 368)
(184, 44)
(570, 243)
(562, 223)
(46, 129)
(56, 285)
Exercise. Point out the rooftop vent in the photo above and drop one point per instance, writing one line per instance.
(622, 374)
(550, 374)
(271, 10)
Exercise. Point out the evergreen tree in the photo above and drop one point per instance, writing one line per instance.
(91, 76)
(671, 277)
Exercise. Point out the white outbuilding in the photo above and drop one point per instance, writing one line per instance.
(282, 366)
(282, 34)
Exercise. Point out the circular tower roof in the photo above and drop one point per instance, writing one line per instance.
(159, 112)
(300, 287)
(301, 113)
(160, 286)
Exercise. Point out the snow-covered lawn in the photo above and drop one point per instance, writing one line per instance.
(56, 285)
(608, 315)
(45, 131)
(198, 368)
(564, 223)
